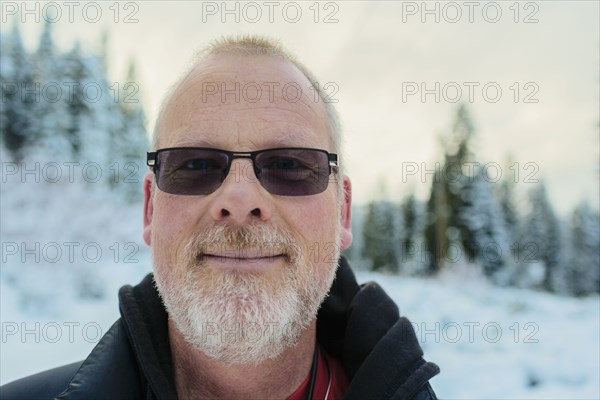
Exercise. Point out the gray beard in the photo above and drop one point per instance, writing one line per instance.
(243, 318)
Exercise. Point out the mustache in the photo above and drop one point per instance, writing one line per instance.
(241, 241)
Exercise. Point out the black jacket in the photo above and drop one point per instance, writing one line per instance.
(359, 325)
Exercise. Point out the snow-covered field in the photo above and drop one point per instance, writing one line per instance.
(499, 343)
(490, 342)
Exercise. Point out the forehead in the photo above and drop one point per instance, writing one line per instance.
(251, 102)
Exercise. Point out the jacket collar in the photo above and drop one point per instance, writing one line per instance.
(147, 329)
(359, 325)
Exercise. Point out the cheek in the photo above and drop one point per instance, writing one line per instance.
(314, 222)
(174, 222)
(175, 216)
(311, 217)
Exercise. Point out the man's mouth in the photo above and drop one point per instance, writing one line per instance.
(243, 256)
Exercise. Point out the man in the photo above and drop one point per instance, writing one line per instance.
(246, 210)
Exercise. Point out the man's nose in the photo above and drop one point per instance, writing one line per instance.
(241, 198)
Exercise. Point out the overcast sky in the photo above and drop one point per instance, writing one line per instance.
(543, 56)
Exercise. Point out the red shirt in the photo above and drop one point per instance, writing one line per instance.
(339, 382)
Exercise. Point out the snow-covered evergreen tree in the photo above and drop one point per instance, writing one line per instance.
(130, 142)
(540, 236)
(100, 116)
(412, 216)
(448, 183)
(6, 71)
(413, 260)
(581, 271)
(505, 193)
(382, 235)
(481, 224)
(436, 225)
(462, 210)
(17, 124)
(50, 113)
(76, 73)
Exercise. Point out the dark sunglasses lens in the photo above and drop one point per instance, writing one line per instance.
(190, 171)
(293, 172)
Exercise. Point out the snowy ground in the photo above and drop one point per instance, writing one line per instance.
(490, 342)
(497, 343)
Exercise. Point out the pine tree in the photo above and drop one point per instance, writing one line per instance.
(130, 143)
(481, 224)
(462, 210)
(50, 111)
(411, 220)
(505, 193)
(582, 269)
(6, 70)
(77, 106)
(17, 124)
(542, 234)
(458, 147)
(413, 248)
(437, 224)
(95, 114)
(445, 198)
(382, 236)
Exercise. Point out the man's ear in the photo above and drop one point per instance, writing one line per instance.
(346, 215)
(148, 206)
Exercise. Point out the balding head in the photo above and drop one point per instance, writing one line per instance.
(248, 49)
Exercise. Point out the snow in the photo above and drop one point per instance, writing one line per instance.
(501, 343)
(490, 342)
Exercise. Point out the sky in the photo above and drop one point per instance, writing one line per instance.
(398, 70)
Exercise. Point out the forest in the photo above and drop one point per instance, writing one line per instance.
(61, 106)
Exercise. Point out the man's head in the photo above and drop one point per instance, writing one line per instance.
(242, 270)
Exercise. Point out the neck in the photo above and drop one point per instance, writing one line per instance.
(198, 376)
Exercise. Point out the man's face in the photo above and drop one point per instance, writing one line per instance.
(243, 271)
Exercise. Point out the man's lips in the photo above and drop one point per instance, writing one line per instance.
(243, 255)
(242, 259)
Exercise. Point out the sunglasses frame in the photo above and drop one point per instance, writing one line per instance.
(152, 156)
